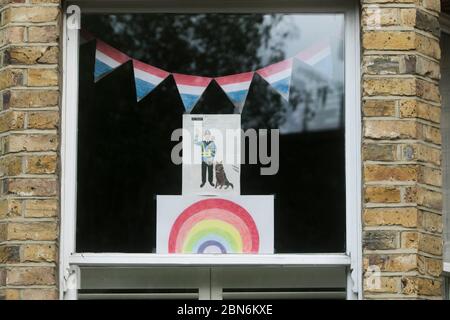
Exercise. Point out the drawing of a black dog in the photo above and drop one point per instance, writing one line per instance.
(221, 177)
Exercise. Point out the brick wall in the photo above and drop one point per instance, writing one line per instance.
(402, 204)
(29, 117)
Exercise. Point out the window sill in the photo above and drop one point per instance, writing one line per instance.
(138, 259)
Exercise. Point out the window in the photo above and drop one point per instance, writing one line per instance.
(121, 147)
(124, 146)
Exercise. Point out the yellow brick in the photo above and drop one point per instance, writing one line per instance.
(378, 284)
(25, 55)
(427, 154)
(42, 77)
(390, 173)
(44, 34)
(31, 98)
(12, 294)
(434, 5)
(44, 142)
(39, 253)
(430, 244)
(421, 286)
(409, 240)
(431, 134)
(390, 129)
(393, 262)
(10, 208)
(405, 217)
(379, 108)
(382, 194)
(408, 17)
(430, 222)
(41, 164)
(43, 120)
(11, 120)
(11, 77)
(430, 266)
(39, 294)
(50, 56)
(389, 40)
(389, 86)
(31, 187)
(429, 198)
(428, 46)
(417, 109)
(430, 176)
(10, 166)
(32, 231)
(24, 276)
(13, 35)
(375, 17)
(379, 152)
(427, 90)
(41, 208)
(429, 287)
(33, 14)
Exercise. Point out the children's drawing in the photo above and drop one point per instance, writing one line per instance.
(215, 225)
(211, 154)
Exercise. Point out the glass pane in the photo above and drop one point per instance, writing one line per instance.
(124, 146)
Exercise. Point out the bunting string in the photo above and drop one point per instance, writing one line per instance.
(191, 87)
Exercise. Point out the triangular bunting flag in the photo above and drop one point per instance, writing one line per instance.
(85, 36)
(319, 57)
(190, 88)
(107, 59)
(147, 78)
(278, 75)
(236, 87)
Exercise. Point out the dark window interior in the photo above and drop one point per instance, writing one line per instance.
(124, 146)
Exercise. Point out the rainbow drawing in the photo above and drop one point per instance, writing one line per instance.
(236, 87)
(147, 78)
(190, 88)
(214, 226)
(278, 75)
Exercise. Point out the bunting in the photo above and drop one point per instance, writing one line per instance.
(236, 87)
(319, 57)
(278, 75)
(107, 59)
(147, 78)
(191, 87)
(85, 36)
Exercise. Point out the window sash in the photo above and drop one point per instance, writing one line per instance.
(445, 130)
(213, 282)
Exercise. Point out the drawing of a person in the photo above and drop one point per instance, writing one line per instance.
(208, 153)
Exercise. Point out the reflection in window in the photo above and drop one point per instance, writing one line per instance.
(124, 145)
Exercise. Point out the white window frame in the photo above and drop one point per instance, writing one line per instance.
(70, 261)
(445, 28)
